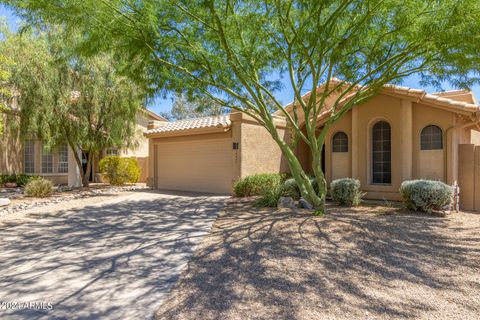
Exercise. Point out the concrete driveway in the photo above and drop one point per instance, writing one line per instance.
(112, 260)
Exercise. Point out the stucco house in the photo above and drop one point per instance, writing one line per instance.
(400, 134)
(29, 156)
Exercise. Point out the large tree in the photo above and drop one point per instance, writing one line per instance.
(80, 101)
(236, 51)
(185, 108)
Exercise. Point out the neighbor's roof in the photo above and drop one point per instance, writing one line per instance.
(220, 122)
(155, 116)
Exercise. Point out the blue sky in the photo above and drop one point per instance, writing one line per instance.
(285, 95)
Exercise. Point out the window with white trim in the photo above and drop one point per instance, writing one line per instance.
(63, 158)
(47, 161)
(29, 157)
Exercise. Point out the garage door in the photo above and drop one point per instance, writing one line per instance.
(202, 166)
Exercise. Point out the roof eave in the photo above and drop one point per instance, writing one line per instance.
(188, 132)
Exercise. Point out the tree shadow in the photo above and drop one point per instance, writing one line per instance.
(111, 261)
(263, 264)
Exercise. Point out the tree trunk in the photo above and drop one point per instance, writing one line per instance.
(86, 174)
(303, 181)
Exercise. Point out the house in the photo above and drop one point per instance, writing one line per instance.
(400, 134)
(59, 165)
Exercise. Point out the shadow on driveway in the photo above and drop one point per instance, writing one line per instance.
(114, 260)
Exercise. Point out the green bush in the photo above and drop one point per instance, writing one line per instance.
(426, 195)
(118, 171)
(346, 192)
(19, 178)
(258, 184)
(290, 188)
(40, 188)
(270, 197)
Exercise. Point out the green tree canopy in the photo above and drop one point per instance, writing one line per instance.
(69, 99)
(235, 51)
(185, 108)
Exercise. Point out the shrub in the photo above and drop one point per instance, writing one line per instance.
(426, 195)
(118, 171)
(20, 179)
(258, 184)
(346, 192)
(39, 188)
(270, 197)
(290, 188)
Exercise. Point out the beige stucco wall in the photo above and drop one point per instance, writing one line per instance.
(430, 164)
(475, 137)
(258, 152)
(141, 145)
(407, 119)
(339, 164)
(11, 154)
(467, 176)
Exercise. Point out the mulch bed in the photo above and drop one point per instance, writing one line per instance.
(371, 262)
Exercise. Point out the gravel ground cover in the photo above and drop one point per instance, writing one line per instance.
(371, 262)
(20, 202)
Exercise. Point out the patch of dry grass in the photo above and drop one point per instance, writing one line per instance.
(368, 262)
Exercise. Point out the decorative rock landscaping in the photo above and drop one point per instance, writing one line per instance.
(13, 200)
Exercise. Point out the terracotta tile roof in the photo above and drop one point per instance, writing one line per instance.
(222, 121)
(419, 94)
(434, 98)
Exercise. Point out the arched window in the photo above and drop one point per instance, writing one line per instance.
(381, 153)
(431, 138)
(340, 142)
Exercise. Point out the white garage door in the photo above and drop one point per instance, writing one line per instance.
(202, 165)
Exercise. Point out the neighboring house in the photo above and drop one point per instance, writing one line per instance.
(401, 134)
(29, 156)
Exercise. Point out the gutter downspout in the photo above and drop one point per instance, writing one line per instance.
(475, 122)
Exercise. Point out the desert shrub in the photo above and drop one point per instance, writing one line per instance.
(40, 188)
(290, 189)
(258, 184)
(118, 171)
(346, 192)
(19, 178)
(270, 197)
(426, 195)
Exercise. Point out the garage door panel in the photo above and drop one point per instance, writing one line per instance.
(203, 166)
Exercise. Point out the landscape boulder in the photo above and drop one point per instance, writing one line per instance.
(4, 202)
(286, 202)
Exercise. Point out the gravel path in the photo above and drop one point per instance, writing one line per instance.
(350, 264)
(99, 258)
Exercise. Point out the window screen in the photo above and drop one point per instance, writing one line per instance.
(340, 142)
(381, 153)
(431, 138)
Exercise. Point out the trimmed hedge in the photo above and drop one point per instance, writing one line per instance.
(426, 195)
(258, 184)
(39, 188)
(118, 171)
(346, 192)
